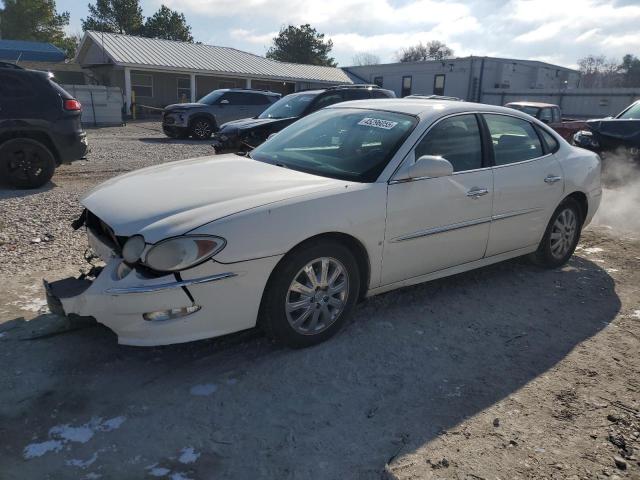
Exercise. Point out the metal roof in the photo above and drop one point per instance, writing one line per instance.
(34, 51)
(128, 50)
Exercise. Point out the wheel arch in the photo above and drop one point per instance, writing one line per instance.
(38, 136)
(582, 201)
(203, 115)
(353, 244)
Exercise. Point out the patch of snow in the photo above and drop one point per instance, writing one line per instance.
(111, 424)
(592, 250)
(636, 314)
(80, 434)
(188, 455)
(82, 463)
(61, 435)
(159, 472)
(205, 389)
(38, 449)
(611, 270)
(179, 476)
(31, 304)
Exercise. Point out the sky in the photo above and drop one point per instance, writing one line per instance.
(555, 31)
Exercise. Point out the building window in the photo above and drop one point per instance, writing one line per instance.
(438, 84)
(377, 81)
(227, 84)
(184, 89)
(406, 86)
(142, 84)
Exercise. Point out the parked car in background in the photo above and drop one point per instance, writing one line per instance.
(39, 127)
(292, 235)
(619, 135)
(550, 114)
(200, 119)
(248, 133)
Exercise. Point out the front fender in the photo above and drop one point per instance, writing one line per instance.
(358, 210)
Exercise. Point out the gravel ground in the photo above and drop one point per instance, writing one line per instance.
(501, 373)
(34, 224)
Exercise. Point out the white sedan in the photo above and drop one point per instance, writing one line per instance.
(355, 200)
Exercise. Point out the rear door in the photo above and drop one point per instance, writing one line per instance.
(231, 106)
(256, 103)
(528, 184)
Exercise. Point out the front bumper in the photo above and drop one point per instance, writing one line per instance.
(226, 143)
(228, 296)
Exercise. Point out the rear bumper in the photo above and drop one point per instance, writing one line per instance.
(73, 147)
(227, 296)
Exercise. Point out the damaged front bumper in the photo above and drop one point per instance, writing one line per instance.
(207, 301)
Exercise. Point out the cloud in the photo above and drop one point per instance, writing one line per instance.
(561, 30)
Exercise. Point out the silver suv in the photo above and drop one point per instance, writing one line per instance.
(202, 118)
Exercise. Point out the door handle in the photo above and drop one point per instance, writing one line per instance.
(476, 192)
(550, 179)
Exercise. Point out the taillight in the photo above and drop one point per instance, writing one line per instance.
(72, 104)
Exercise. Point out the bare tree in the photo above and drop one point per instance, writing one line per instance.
(365, 58)
(599, 71)
(433, 50)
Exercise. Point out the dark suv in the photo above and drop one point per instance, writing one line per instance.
(202, 118)
(248, 133)
(39, 127)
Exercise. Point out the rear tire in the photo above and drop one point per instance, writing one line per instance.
(561, 236)
(26, 163)
(201, 128)
(310, 294)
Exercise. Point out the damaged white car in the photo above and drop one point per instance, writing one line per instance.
(354, 200)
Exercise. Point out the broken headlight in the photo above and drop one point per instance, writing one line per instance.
(585, 138)
(180, 253)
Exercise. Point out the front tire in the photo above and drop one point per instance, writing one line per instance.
(561, 236)
(201, 129)
(310, 294)
(26, 163)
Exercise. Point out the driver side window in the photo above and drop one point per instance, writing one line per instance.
(456, 139)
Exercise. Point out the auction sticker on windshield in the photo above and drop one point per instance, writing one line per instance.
(378, 123)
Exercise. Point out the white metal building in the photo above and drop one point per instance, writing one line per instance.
(467, 78)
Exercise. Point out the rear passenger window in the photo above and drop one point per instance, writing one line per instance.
(545, 115)
(514, 140)
(236, 98)
(456, 139)
(256, 99)
(14, 87)
(552, 143)
(357, 94)
(326, 100)
(556, 115)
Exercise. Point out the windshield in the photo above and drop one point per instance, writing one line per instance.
(533, 111)
(342, 143)
(211, 97)
(631, 113)
(290, 106)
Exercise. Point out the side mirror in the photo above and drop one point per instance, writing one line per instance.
(224, 102)
(430, 166)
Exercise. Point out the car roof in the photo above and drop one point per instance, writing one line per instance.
(428, 108)
(532, 104)
(249, 90)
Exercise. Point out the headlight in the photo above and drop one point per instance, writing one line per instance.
(179, 253)
(584, 138)
(133, 248)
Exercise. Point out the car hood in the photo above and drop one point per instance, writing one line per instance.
(174, 198)
(183, 106)
(247, 123)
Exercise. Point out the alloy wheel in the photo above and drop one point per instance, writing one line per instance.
(317, 295)
(202, 129)
(563, 233)
(26, 164)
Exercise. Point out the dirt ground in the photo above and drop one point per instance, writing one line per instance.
(506, 372)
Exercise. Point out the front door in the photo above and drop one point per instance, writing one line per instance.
(528, 184)
(435, 223)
